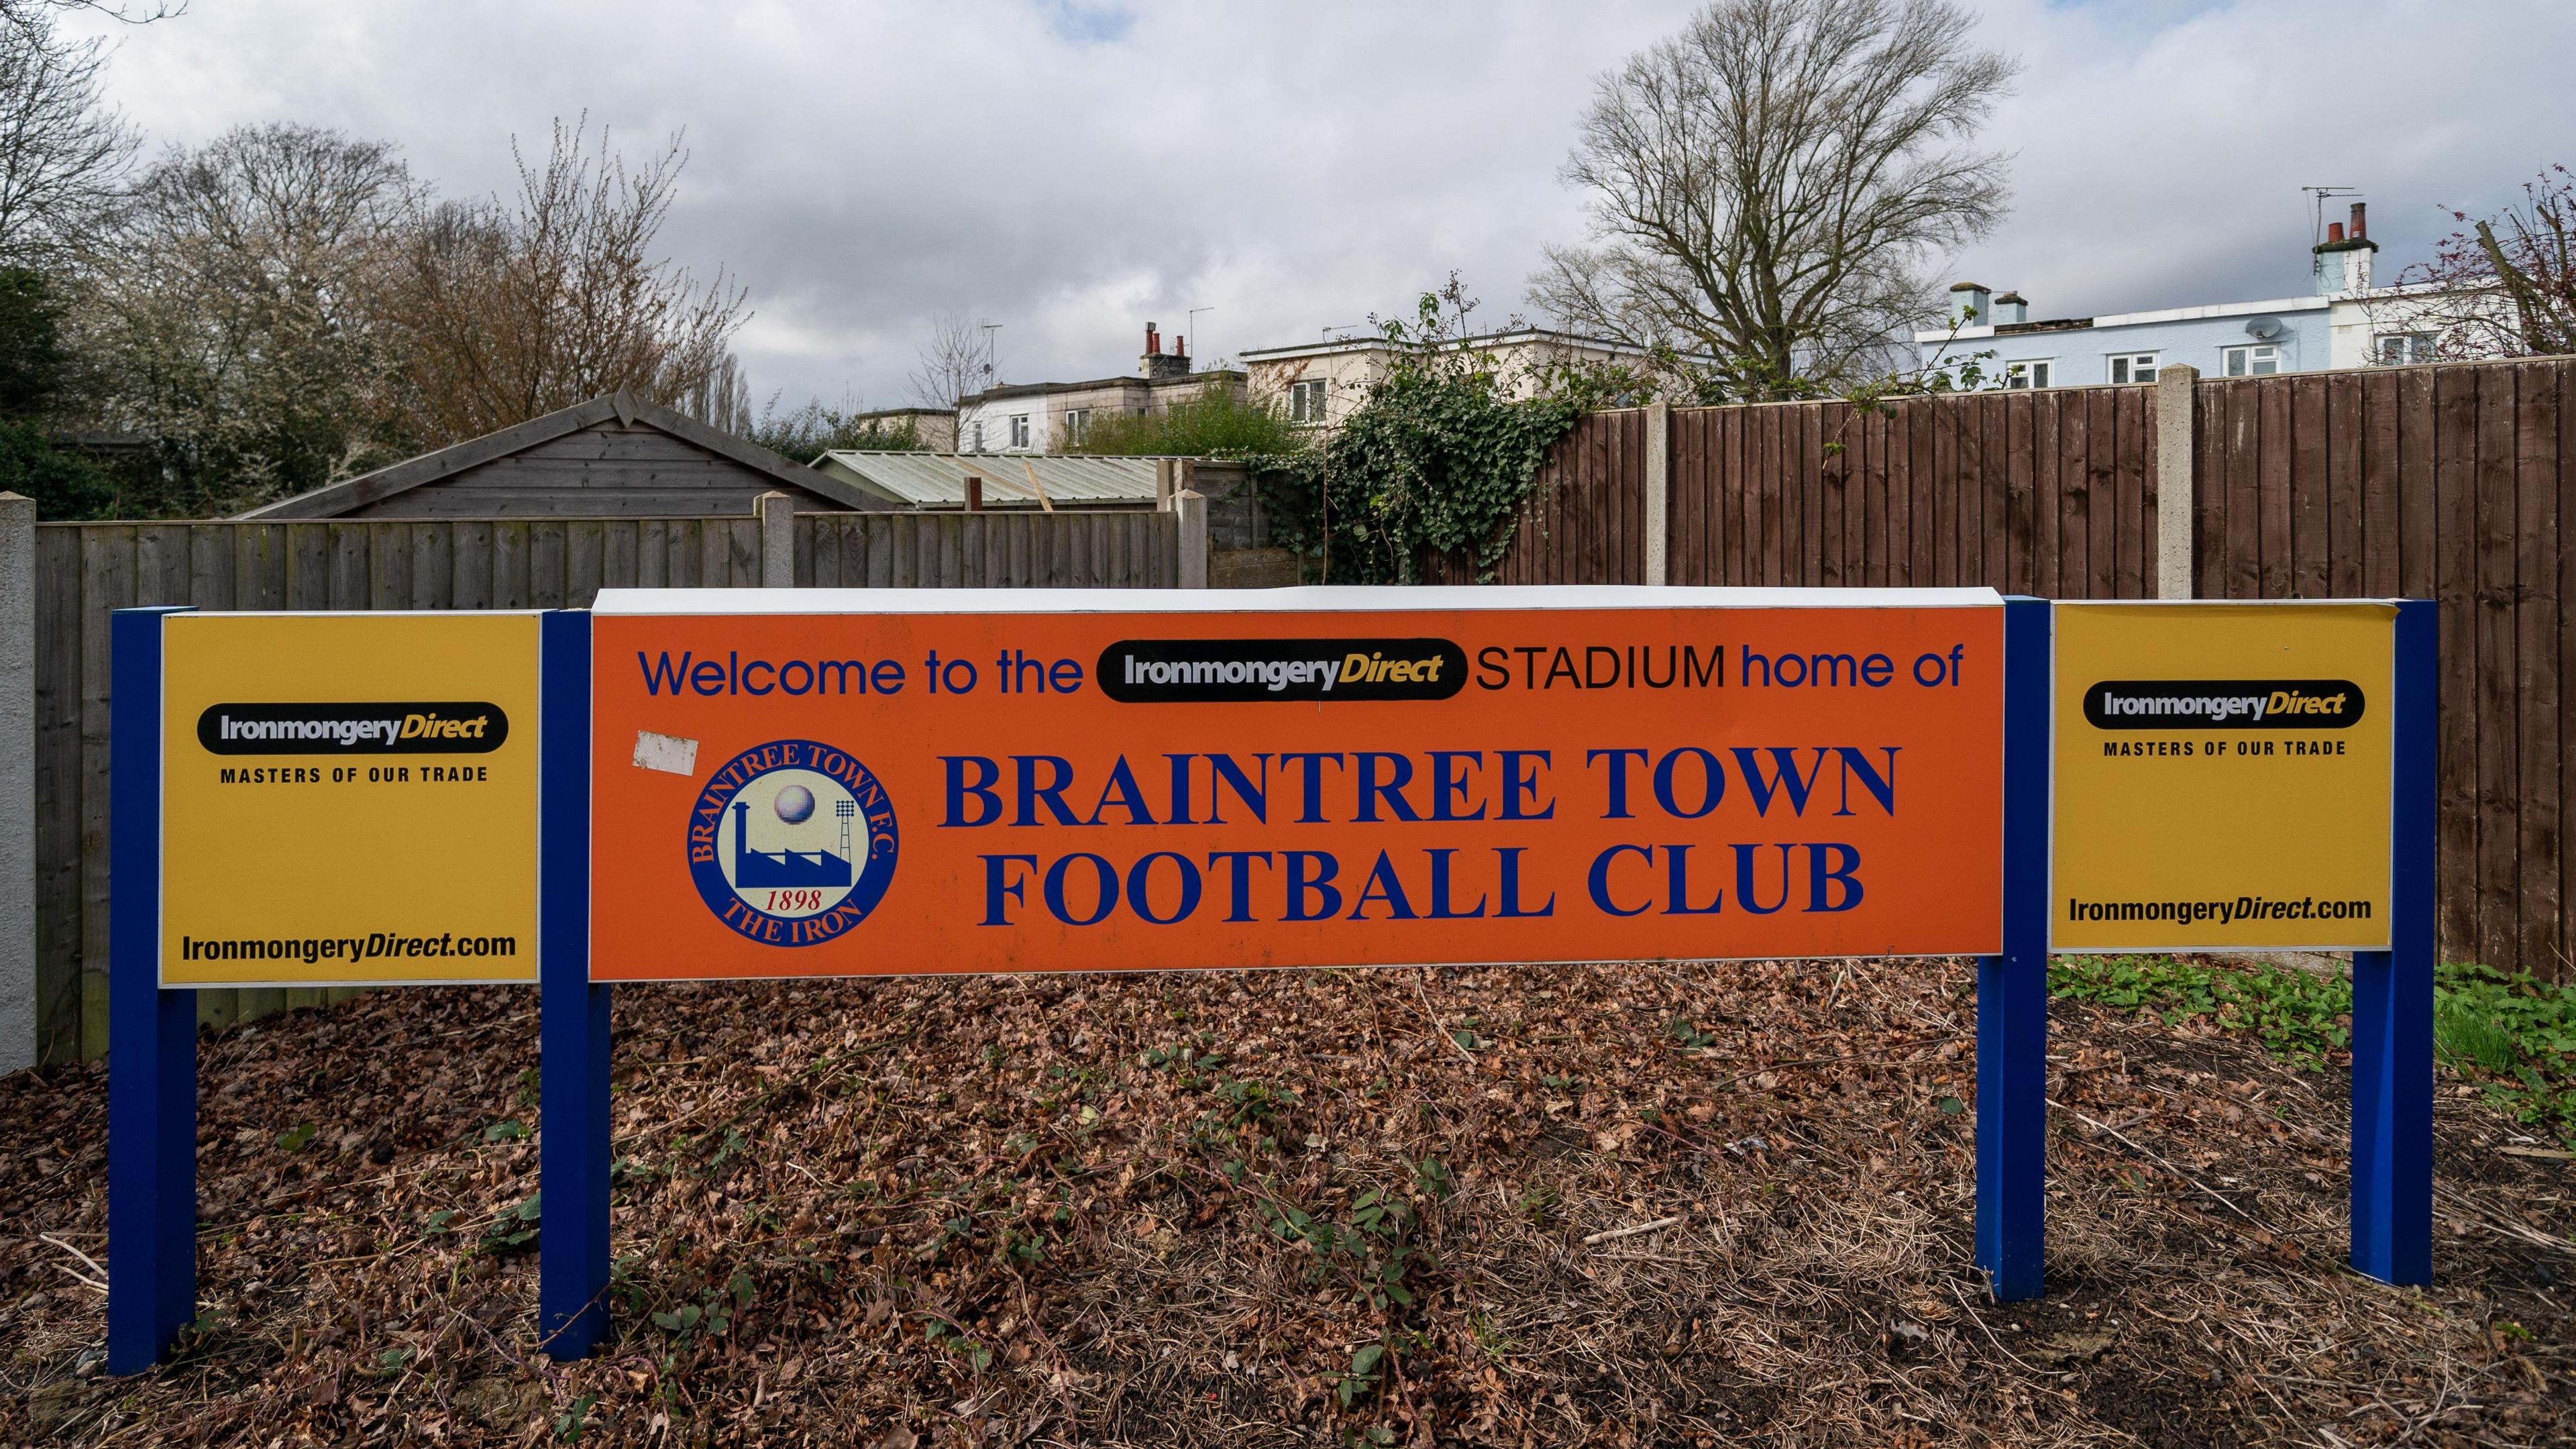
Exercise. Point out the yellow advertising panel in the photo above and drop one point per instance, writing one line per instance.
(2224, 775)
(348, 799)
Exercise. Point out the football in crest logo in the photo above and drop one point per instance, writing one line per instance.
(792, 843)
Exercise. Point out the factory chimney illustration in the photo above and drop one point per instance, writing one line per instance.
(753, 869)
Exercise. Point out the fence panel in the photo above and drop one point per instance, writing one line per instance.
(2453, 482)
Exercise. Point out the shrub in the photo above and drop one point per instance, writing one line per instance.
(814, 429)
(64, 486)
(1218, 423)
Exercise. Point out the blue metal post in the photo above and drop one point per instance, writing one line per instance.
(573, 1138)
(2012, 989)
(2392, 994)
(151, 1033)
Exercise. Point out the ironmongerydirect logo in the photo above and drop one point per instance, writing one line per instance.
(442, 727)
(792, 843)
(1177, 671)
(2224, 704)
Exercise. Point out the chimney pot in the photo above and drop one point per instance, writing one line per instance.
(2334, 231)
(1180, 347)
(2360, 214)
(974, 494)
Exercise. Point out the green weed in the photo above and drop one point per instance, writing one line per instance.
(713, 1315)
(2298, 1014)
(515, 1231)
(1689, 1036)
(2513, 1034)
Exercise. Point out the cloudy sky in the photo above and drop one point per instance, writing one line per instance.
(1072, 170)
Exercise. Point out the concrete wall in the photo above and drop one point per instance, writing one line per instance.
(18, 1029)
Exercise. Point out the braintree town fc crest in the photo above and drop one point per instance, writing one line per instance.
(792, 842)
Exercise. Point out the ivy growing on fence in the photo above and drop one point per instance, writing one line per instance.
(1438, 457)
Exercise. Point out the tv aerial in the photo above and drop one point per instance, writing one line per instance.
(2318, 196)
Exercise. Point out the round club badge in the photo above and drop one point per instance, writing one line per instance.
(792, 843)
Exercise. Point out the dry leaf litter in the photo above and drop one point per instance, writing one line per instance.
(1613, 1205)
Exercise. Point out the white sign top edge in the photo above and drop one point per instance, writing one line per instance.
(1334, 598)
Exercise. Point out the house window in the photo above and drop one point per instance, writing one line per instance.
(2257, 360)
(2041, 372)
(979, 439)
(1306, 401)
(2399, 349)
(1019, 430)
(1077, 421)
(2133, 367)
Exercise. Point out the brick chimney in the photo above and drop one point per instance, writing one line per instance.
(2343, 258)
(1159, 364)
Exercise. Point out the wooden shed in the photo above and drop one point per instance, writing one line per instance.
(613, 456)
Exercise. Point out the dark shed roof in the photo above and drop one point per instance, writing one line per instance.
(609, 457)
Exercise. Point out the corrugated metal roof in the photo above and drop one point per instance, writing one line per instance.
(938, 480)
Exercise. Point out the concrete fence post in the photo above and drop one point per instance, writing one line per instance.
(777, 513)
(2174, 449)
(1193, 514)
(1659, 491)
(18, 1026)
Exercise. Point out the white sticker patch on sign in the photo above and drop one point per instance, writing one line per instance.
(668, 753)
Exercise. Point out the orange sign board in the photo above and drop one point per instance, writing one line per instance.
(872, 782)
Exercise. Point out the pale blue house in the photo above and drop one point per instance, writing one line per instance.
(2333, 326)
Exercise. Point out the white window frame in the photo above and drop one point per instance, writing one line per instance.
(2420, 348)
(1077, 421)
(979, 437)
(1306, 400)
(2255, 354)
(1019, 430)
(2030, 374)
(2139, 366)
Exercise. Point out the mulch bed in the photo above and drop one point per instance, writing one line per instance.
(1623, 1205)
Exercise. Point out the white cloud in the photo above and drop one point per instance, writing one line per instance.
(1072, 170)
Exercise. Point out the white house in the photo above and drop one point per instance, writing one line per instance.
(1321, 382)
(2345, 322)
(1048, 417)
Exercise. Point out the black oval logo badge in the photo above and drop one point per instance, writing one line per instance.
(443, 727)
(2224, 704)
(1171, 671)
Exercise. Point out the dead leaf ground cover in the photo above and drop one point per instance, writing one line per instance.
(1289, 1208)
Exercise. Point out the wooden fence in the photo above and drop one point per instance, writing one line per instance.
(2451, 482)
(84, 571)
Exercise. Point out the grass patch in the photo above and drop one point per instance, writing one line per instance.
(2510, 1033)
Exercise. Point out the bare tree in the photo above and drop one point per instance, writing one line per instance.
(1767, 186)
(509, 311)
(956, 363)
(63, 152)
(721, 399)
(2500, 286)
(235, 311)
(38, 15)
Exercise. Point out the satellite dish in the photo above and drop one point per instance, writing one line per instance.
(2266, 328)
